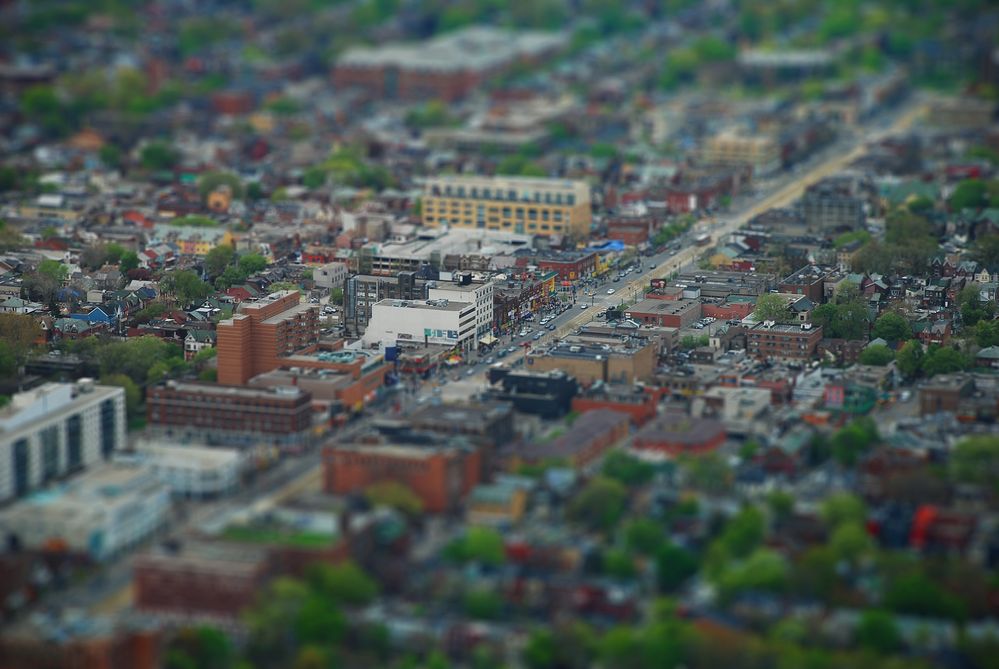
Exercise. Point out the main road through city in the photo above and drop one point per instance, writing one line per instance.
(112, 592)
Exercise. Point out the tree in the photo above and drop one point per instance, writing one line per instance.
(764, 569)
(19, 332)
(969, 194)
(976, 460)
(396, 496)
(483, 604)
(843, 508)
(94, 256)
(158, 156)
(644, 535)
(10, 238)
(336, 296)
(986, 250)
(254, 191)
(541, 650)
(479, 544)
(943, 360)
(709, 473)
(185, 286)
(853, 439)
(878, 355)
(877, 631)
(618, 564)
(917, 595)
(627, 469)
(54, 270)
(8, 362)
(200, 648)
(743, 533)
(600, 504)
(129, 261)
(892, 327)
(781, 505)
(973, 308)
(772, 307)
(251, 263)
(909, 358)
(344, 584)
(218, 259)
(674, 565)
(850, 541)
(212, 181)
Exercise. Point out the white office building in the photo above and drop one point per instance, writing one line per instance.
(331, 275)
(189, 470)
(463, 287)
(100, 513)
(441, 322)
(55, 430)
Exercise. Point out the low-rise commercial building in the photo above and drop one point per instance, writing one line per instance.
(398, 322)
(464, 287)
(440, 474)
(98, 514)
(678, 434)
(665, 313)
(361, 291)
(626, 362)
(55, 430)
(189, 470)
(761, 152)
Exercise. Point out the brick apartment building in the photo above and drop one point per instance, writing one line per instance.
(635, 401)
(261, 333)
(808, 281)
(447, 67)
(199, 577)
(780, 341)
(440, 475)
(631, 230)
(229, 413)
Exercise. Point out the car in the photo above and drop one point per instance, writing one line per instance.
(511, 349)
(538, 336)
(551, 326)
(502, 353)
(610, 291)
(617, 279)
(698, 326)
(490, 361)
(584, 305)
(470, 372)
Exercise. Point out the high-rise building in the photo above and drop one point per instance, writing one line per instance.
(523, 205)
(55, 430)
(255, 339)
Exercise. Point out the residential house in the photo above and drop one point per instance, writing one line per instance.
(197, 340)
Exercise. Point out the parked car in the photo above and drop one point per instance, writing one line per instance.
(610, 291)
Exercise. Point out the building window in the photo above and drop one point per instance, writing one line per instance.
(74, 442)
(21, 468)
(109, 431)
(50, 452)
(571, 199)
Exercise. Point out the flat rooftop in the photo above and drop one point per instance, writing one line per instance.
(475, 48)
(430, 305)
(662, 307)
(283, 392)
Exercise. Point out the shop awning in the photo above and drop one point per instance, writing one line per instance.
(487, 339)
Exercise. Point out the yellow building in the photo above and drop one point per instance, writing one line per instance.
(502, 502)
(523, 205)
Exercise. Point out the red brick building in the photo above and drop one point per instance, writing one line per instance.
(441, 476)
(281, 415)
(569, 265)
(779, 341)
(631, 230)
(665, 313)
(636, 402)
(679, 434)
(207, 578)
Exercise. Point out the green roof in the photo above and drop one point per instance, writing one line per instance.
(276, 535)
